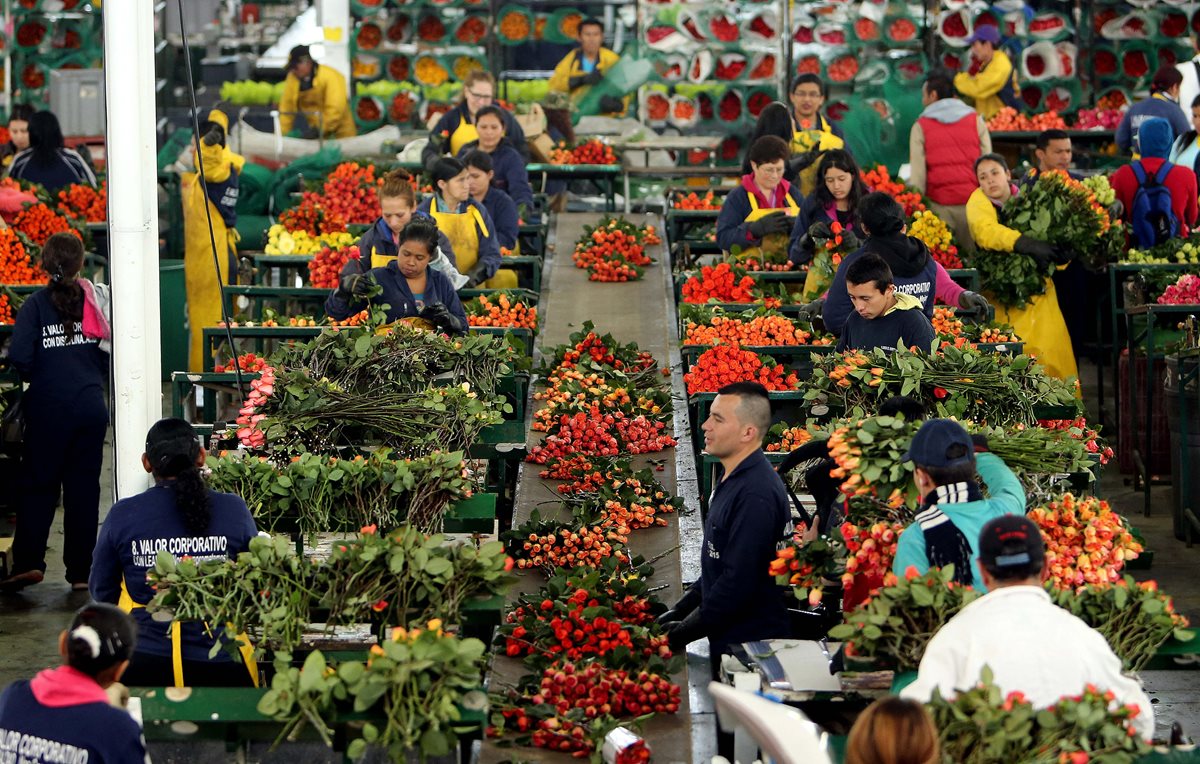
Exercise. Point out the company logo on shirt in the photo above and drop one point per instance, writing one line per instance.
(713, 554)
(198, 548)
(919, 289)
(55, 336)
(16, 748)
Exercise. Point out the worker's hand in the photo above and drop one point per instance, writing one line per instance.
(812, 531)
(680, 634)
(801, 162)
(611, 105)
(476, 276)
(593, 77)
(1116, 210)
(981, 444)
(214, 137)
(669, 617)
(974, 302)
(1039, 250)
(811, 311)
(440, 316)
(1063, 255)
(774, 222)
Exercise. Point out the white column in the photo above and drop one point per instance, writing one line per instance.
(334, 17)
(132, 231)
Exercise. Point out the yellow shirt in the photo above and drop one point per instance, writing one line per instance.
(572, 66)
(328, 95)
(984, 87)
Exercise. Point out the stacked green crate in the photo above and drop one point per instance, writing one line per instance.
(427, 43)
(45, 41)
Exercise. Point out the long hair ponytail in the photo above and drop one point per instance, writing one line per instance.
(62, 259)
(172, 448)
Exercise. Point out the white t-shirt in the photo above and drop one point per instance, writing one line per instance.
(1032, 646)
(1190, 88)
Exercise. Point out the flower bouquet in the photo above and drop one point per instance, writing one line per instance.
(833, 244)
(1055, 209)
(1086, 541)
(932, 230)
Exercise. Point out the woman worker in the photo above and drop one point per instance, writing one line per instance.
(222, 172)
(467, 225)
(65, 712)
(480, 183)
(761, 204)
(835, 199)
(457, 127)
(508, 165)
(775, 119)
(18, 133)
(66, 418)
(380, 243)
(181, 516)
(411, 289)
(1040, 323)
(47, 161)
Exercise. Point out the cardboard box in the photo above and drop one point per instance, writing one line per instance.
(540, 147)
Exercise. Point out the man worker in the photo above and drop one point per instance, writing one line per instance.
(1162, 103)
(943, 145)
(993, 83)
(320, 93)
(736, 600)
(585, 66)
(813, 133)
(1031, 645)
(953, 511)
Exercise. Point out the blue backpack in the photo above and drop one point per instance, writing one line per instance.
(1153, 217)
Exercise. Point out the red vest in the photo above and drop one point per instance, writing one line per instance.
(950, 154)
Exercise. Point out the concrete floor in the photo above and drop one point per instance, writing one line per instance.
(30, 621)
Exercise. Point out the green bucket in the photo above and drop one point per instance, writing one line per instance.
(172, 311)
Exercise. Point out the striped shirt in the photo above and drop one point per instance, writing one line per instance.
(69, 168)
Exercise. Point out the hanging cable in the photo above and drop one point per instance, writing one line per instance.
(212, 238)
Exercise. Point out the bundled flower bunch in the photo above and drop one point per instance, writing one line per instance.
(1086, 542)
(613, 250)
(349, 194)
(760, 328)
(603, 399)
(983, 725)
(831, 250)
(311, 493)
(325, 269)
(591, 151)
(39, 222)
(1079, 430)
(310, 218)
(895, 625)
(808, 567)
(932, 230)
(719, 283)
(783, 439)
(80, 200)
(9, 305)
(1174, 250)
(594, 655)
(247, 362)
(503, 310)
(1055, 208)
(414, 681)
(1135, 617)
(250, 416)
(1185, 291)
(282, 240)
(870, 548)
(612, 494)
(879, 179)
(17, 262)
(691, 201)
(988, 388)
(1009, 119)
(952, 330)
(722, 365)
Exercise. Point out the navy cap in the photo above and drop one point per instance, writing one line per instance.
(930, 445)
(985, 33)
(1011, 541)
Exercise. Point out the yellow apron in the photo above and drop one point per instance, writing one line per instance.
(462, 135)
(791, 210)
(203, 289)
(1040, 325)
(463, 230)
(127, 604)
(803, 141)
(380, 261)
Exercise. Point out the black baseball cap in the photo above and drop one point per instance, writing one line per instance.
(931, 444)
(1011, 541)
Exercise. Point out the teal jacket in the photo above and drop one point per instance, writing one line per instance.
(1007, 498)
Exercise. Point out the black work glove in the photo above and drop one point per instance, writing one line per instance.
(440, 316)
(476, 276)
(214, 137)
(775, 222)
(680, 634)
(1063, 255)
(1116, 210)
(670, 617)
(611, 105)
(974, 302)
(981, 444)
(353, 286)
(801, 162)
(1040, 251)
(811, 311)
(591, 78)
